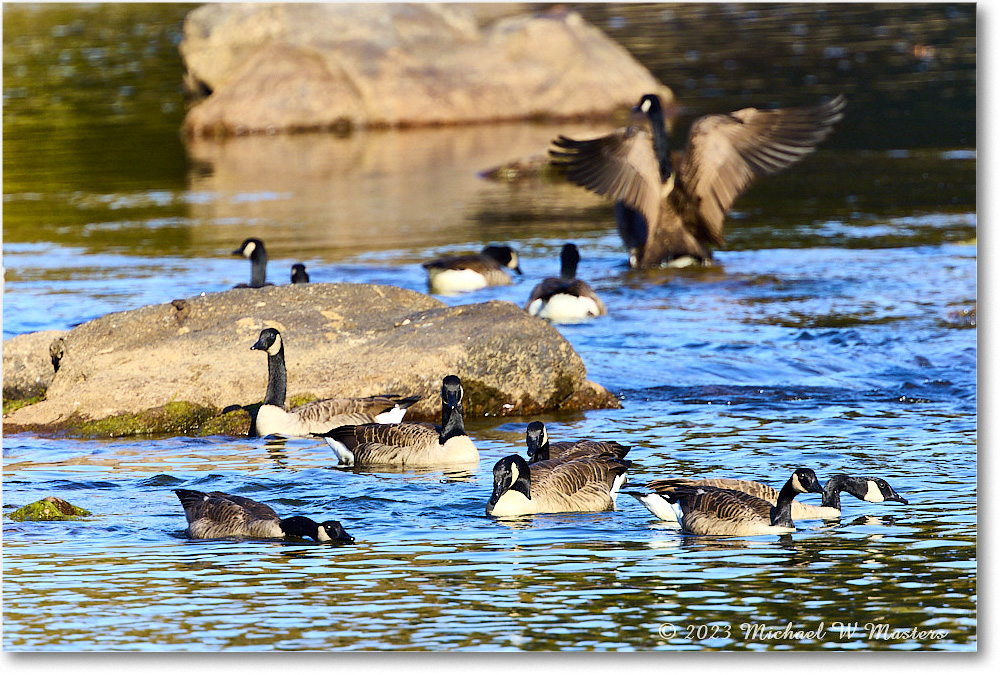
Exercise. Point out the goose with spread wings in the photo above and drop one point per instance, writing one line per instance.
(672, 217)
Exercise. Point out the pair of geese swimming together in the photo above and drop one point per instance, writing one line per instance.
(562, 299)
(557, 477)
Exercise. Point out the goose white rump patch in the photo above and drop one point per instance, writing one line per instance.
(455, 281)
(564, 308)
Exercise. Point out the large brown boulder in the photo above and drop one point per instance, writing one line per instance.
(340, 340)
(289, 67)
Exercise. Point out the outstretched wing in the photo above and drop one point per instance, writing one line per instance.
(621, 166)
(726, 152)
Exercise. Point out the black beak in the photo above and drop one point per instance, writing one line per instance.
(259, 344)
(895, 497)
(518, 269)
(451, 399)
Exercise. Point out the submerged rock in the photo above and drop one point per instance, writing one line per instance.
(50, 508)
(285, 67)
(186, 366)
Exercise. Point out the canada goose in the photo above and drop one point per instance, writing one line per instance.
(315, 416)
(581, 483)
(668, 217)
(565, 299)
(213, 515)
(410, 444)
(299, 274)
(703, 509)
(253, 250)
(541, 450)
(470, 272)
(868, 489)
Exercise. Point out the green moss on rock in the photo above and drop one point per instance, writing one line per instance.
(171, 418)
(50, 508)
(11, 405)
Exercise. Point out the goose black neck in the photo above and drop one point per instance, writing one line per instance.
(277, 380)
(258, 268)
(781, 514)
(452, 424)
(661, 144)
(299, 526)
(523, 482)
(542, 452)
(568, 262)
(833, 488)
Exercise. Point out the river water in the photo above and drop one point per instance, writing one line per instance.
(834, 333)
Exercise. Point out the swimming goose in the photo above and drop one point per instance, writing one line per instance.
(541, 450)
(317, 416)
(253, 250)
(874, 490)
(668, 217)
(299, 274)
(470, 272)
(213, 515)
(411, 444)
(565, 299)
(582, 483)
(703, 509)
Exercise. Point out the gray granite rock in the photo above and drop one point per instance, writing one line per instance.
(287, 67)
(340, 340)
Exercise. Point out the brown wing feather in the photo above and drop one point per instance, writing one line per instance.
(709, 510)
(750, 487)
(621, 166)
(581, 484)
(477, 263)
(387, 443)
(220, 505)
(726, 152)
(329, 408)
(566, 449)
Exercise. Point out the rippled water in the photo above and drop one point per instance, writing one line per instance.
(829, 336)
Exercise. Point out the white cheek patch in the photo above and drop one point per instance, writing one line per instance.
(250, 248)
(874, 494)
(513, 261)
(275, 347)
(322, 534)
(646, 105)
(796, 484)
